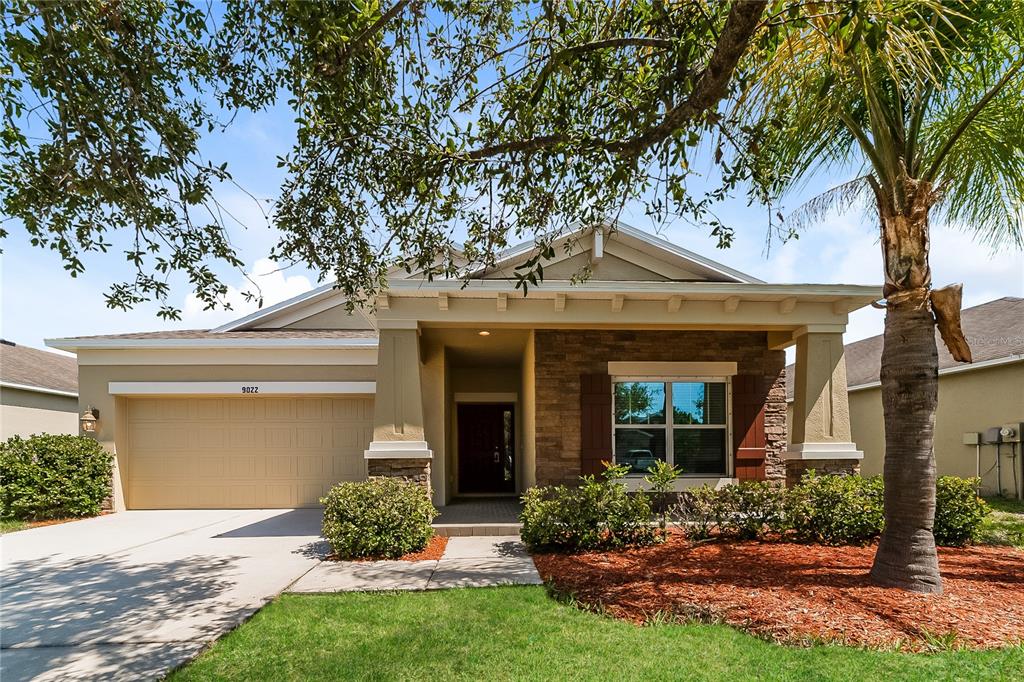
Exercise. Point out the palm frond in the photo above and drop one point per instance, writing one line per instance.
(853, 194)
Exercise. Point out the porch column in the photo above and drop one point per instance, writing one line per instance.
(821, 438)
(399, 447)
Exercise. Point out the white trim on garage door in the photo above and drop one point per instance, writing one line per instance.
(242, 388)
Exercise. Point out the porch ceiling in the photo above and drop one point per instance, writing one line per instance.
(465, 346)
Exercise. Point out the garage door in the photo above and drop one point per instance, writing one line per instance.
(203, 453)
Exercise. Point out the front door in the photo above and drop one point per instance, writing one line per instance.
(486, 448)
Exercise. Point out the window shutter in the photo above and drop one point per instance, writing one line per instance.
(748, 427)
(595, 422)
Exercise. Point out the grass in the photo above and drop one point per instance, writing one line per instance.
(1005, 526)
(520, 633)
(11, 525)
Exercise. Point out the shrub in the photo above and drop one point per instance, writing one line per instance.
(661, 477)
(758, 508)
(597, 514)
(701, 511)
(959, 512)
(835, 510)
(382, 517)
(748, 510)
(53, 476)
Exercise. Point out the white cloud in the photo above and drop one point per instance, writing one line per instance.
(267, 280)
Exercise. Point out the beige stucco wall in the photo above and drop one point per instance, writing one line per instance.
(528, 408)
(433, 384)
(968, 401)
(23, 413)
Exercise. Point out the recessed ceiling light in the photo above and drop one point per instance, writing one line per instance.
(484, 332)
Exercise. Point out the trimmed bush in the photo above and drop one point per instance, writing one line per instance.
(959, 512)
(748, 510)
(758, 509)
(598, 514)
(835, 510)
(50, 476)
(382, 518)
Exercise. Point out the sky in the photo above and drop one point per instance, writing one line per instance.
(39, 300)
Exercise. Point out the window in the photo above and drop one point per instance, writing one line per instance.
(683, 422)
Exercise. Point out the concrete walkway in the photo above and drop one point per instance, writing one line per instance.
(480, 561)
(131, 595)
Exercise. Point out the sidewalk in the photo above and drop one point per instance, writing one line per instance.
(467, 562)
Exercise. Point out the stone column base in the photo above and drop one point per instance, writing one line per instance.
(825, 458)
(408, 459)
(415, 470)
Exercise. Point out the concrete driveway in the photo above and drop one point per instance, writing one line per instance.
(131, 595)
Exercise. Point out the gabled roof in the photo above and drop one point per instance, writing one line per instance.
(32, 369)
(994, 330)
(704, 268)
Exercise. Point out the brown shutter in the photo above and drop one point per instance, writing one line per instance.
(748, 401)
(595, 422)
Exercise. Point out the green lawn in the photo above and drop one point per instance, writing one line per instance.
(1005, 526)
(519, 633)
(11, 525)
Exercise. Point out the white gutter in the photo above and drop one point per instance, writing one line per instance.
(228, 342)
(38, 389)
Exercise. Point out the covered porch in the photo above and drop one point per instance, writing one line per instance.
(480, 393)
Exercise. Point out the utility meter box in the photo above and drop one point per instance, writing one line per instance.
(991, 436)
(972, 438)
(1009, 433)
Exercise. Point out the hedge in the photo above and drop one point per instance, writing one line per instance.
(53, 476)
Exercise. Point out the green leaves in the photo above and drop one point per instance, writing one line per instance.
(383, 517)
(51, 476)
(100, 142)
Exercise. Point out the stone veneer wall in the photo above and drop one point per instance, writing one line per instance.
(844, 467)
(563, 355)
(415, 470)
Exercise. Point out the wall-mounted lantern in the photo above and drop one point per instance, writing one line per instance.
(89, 419)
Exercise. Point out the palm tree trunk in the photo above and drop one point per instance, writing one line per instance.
(906, 556)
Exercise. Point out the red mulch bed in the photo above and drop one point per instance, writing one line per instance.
(432, 552)
(801, 593)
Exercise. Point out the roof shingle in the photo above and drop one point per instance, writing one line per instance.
(252, 334)
(33, 367)
(994, 330)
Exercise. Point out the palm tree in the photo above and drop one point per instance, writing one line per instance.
(929, 98)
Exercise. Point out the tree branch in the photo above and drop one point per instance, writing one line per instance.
(933, 170)
(353, 45)
(708, 91)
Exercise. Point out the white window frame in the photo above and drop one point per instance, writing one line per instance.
(669, 426)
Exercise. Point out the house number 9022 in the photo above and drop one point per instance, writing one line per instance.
(250, 389)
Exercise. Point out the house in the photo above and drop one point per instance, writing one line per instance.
(476, 389)
(973, 398)
(38, 391)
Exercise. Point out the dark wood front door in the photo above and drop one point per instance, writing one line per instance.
(486, 448)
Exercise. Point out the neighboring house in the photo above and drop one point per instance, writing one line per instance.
(38, 391)
(973, 397)
(476, 389)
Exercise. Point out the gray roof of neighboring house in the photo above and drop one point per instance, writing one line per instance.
(994, 330)
(24, 366)
(251, 334)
